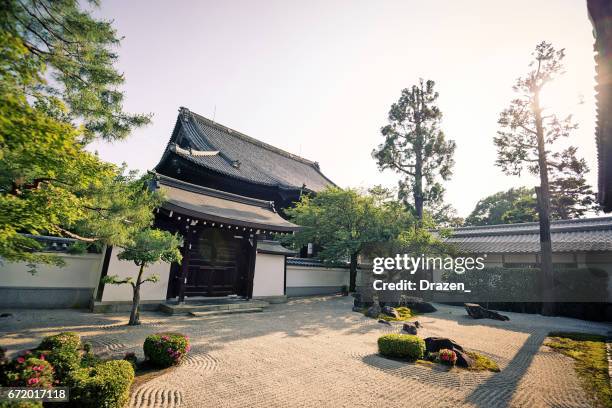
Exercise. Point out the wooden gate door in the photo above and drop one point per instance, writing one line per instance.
(217, 264)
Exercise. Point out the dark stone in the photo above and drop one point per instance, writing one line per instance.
(359, 301)
(6, 315)
(419, 305)
(357, 309)
(391, 312)
(384, 322)
(463, 360)
(478, 312)
(410, 328)
(435, 344)
(373, 311)
(417, 324)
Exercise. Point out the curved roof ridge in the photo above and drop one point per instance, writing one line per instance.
(252, 140)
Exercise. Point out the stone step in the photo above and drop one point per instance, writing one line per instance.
(225, 312)
(187, 308)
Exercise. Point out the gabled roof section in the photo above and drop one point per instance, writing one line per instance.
(234, 154)
(220, 207)
(580, 235)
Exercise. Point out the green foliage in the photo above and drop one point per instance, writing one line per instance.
(151, 246)
(166, 349)
(29, 371)
(344, 223)
(49, 182)
(401, 346)
(405, 314)
(67, 340)
(482, 362)
(20, 404)
(591, 362)
(77, 51)
(415, 146)
(505, 207)
(105, 385)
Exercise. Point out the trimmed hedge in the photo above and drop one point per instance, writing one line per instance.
(401, 346)
(166, 349)
(67, 340)
(20, 404)
(105, 385)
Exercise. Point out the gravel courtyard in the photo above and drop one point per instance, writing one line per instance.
(315, 352)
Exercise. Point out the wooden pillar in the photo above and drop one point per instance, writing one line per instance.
(285, 276)
(184, 265)
(251, 271)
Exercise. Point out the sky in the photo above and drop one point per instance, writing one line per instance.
(317, 78)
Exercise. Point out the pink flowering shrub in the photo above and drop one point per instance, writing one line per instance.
(29, 371)
(448, 357)
(166, 349)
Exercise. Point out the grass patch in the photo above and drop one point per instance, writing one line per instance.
(591, 363)
(404, 312)
(482, 362)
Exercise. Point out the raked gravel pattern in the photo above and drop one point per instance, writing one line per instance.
(315, 352)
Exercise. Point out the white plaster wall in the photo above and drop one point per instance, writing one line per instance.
(148, 290)
(269, 279)
(302, 276)
(80, 271)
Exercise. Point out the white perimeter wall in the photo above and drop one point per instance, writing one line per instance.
(304, 276)
(148, 290)
(80, 271)
(269, 277)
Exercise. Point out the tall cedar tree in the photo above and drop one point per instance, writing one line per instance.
(58, 92)
(525, 140)
(415, 146)
(344, 223)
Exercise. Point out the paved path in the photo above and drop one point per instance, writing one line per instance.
(315, 352)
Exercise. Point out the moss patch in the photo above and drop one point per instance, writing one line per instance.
(404, 312)
(482, 362)
(591, 363)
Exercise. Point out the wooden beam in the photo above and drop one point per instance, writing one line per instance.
(251, 271)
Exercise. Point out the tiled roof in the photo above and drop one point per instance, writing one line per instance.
(590, 234)
(233, 154)
(600, 12)
(313, 262)
(220, 207)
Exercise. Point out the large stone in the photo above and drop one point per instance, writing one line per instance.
(360, 301)
(384, 322)
(373, 311)
(463, 360)
(357, 309)
(391, 312)
(410, 328)
(478, 312)
(418, 305)
(435, 344)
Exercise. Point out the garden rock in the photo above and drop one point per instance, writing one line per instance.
(410, 328)
(435, 344)
(419, 305)
(478, 312)
(417, 324)
(373, 311)
(357, 309)
(384, 322)
(391, 312)
(463, 360)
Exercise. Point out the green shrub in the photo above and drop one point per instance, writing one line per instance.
(20, 404)
(69, 340)
(401, 346)
(63, 359)
(29, 371)
(166, 349)
(105, 385)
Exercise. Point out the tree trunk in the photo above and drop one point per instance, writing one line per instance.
(135, 314)
(418, 164)
(546, 265)
(353, 272)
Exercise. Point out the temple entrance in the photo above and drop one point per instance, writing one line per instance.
(217, 265)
